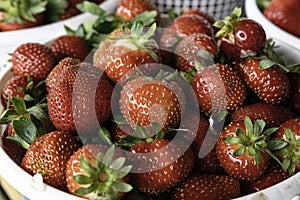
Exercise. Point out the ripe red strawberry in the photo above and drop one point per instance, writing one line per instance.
(285, 15)
(81, 99)
(144, 101)
(273, 175)
(127, 52)
(129, 9)
(218, 88)
(33, 59)
(241, 149)
(286, 144)
(200, 13)
(188, 24)
(70, 46)
(159, 165)
(54, 76)
(48, 155)
(14, 87)
(295, 91)
(274, 115)
(97, 171)
(13, 149)
(208, 187)
(270, 84)
(240, 37)
(187, 50)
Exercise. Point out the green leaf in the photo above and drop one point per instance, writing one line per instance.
(109, 155)
(124, 171)
(40, 114)
(40, 128)
(257, 158)
(81, 179)
(152, 54)
(28, 98)
(277, 144)
(286, 163)
(239, 151)
(147, 17)
(87, 167)
(251, 151)
(137, 29)
(270, 131)
(122, 187)
(85, 191)
(232, 140)
(118, 163)
(19, 141)
(105, 136)
(19, 105)
(25, 129)
(248, 125)
(259, 126)
(91, 8)
(8, 116)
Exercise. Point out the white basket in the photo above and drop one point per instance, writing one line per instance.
(216, 8)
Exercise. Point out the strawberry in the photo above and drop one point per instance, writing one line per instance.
(128, 52)
(273, 175)
(218, 87)
(14, 87)
(286, 143)
(273, 115)
(33, 59)
(54, 76)
(145, 100)
(269, 83)
(159, 165)
(48, 156)
(98, 172)
(241, 149)
(200, 13)
(70, 46)
(129, 9)
(208, 187)
(295, 91)
(16, 15)
(81, 99)
(240, 37)
(285, 15)
(187, 50)
(13, 150)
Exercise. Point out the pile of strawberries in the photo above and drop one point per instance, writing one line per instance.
(196, 110)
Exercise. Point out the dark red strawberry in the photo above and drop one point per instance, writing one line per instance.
(285, 15)
(33, 59)
(145, 100)
(242, 149)
(218, 88)
(98, 171)
(129, 9)
(273, 175)
(286, 144)
(128, 52)
(13, 149)
(70, 46)
(160, 165)
(273, 115)
(14, 87)
(295, 91)
(208, 187)
(81, 99)
(187, 50)
(48, 156)
(56, 72)
(240, 37)
(270, 84)
(200, 13)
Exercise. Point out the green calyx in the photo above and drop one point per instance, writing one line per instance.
(229, 24)
(104, 180)
(289, 150)
(20, 10)
(29, 115)
(253, 140)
